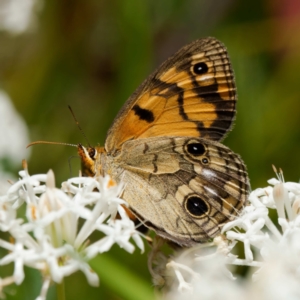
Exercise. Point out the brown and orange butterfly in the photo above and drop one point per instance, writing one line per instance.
(164, 146)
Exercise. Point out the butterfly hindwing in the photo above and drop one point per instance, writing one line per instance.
(183, 188)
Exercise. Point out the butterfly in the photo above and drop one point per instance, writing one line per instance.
(164, 145)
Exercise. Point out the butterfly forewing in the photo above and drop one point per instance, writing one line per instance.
(191, 94)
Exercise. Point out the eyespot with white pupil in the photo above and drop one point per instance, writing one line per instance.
(205, 161)
(196, 206)
(196, 149)
(200, 68)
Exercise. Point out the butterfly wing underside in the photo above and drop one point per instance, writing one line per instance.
(191, 94)
(183, 188)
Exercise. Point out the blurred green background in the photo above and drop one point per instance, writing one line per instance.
(92, 55)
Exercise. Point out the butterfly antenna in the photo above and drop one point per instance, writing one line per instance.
(55, 143)
(77, 123)
(51, 143)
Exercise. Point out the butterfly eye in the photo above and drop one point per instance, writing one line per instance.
(200, 68)
(196, 206)
(196, 149)
(92, 152)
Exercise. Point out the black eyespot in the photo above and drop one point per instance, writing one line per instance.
(200, 68)
(196, 149)
(196, 206)
(205, 161)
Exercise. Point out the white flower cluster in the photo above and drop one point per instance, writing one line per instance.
(271, 250)
(50, 238)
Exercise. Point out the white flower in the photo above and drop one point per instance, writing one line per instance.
(50, 238)
(204, 279)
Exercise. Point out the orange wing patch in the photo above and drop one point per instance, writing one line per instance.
(191, 94)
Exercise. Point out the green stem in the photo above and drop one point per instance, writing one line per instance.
(60, 291)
